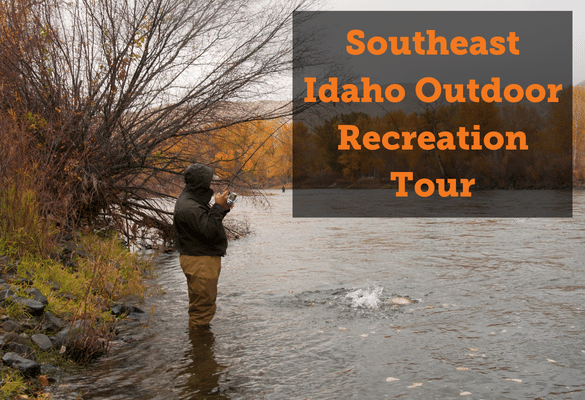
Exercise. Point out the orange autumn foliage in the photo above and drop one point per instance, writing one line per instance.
(257, 153)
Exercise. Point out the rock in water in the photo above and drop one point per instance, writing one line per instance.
(51, 323)
(32, 306)
(27, 367)
(401, 300)
(42, 341)
(11, 325)
(18, 348)
(10, 337)
(38, 296)
(119, 309)
(5, 292)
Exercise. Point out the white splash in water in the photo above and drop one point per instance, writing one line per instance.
(368, 298)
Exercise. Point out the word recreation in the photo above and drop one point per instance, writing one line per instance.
(426, 140)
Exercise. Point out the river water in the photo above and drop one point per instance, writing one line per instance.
(305, 311)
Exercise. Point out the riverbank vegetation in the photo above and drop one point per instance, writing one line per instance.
(58, 286)
(98, 97)
(102, 106)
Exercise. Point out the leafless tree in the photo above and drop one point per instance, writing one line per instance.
(107, 88)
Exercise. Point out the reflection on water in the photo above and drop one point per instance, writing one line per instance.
(200, 375)
(496, 312)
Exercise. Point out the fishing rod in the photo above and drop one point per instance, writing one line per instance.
(252, 155)
(233, 196)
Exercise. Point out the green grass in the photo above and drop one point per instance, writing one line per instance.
(22, 230)
(108, 273)
(15, 386)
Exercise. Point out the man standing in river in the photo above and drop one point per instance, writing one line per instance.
(201, 240)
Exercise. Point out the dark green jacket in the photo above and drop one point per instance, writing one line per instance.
(198, 228)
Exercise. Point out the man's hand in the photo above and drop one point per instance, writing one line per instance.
(221, 199)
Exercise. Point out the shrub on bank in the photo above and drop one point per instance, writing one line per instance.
(56, 286)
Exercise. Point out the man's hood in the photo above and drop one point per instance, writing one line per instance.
(198, 176)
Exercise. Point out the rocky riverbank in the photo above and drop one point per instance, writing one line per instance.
(61, 311)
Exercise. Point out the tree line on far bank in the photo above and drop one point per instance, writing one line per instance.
(546, 164)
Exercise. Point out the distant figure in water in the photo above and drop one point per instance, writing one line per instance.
(282, 188)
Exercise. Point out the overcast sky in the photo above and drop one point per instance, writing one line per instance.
(577, 6)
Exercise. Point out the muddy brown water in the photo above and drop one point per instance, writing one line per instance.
(306, 311)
